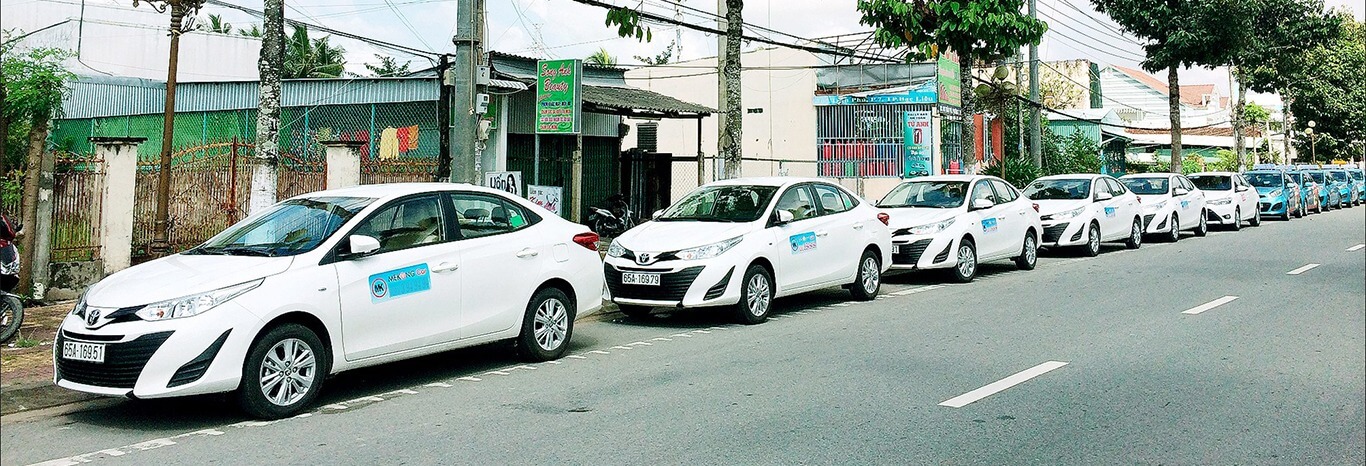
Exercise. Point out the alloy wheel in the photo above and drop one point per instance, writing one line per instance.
(288, 372)
(551, 325)
(967, 261)
(870, 274)
(757, 295)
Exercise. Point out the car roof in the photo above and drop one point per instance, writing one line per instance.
(1147, 175)
(948, 178)
(1071, 176)
(1213, 174)
(777, 181)
(391, 190)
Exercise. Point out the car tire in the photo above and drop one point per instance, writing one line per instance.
(11, 317)
(1203, 228)
(1135, 240)
(1256, 218)
(1237, 219)
(966, 268)
(756, 296)
(1174, 232)
(547, 326)
(1029, 253)
(308, 364)
(868, 280)
(1092, 246)
(635, 312)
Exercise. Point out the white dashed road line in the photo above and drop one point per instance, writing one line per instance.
(1000, 385)
(1356, 248)
(1210, 305)
(917, 290)
(1301, 270)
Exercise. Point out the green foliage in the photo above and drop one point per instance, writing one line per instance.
(217, 25)
(1018, 171)
(12, 186)
(661, 59)
(388, 67)
(1332, 93)
(1228, 161)
(975, 29)
(255, 31)
(601, 58)
(1255, 115)
(1074, 153)
(34, 80)
(1279, 32)
(1182, 33)
(628, 24)
(312, 58)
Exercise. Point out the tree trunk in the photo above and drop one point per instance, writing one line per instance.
(1285, 124)
(1239, 145)
(968, 131)
(1174, 103)
(34, 182)
(730, 139)
(4, 136)
(263, 178)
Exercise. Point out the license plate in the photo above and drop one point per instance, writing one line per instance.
(651, 279)
(89, 352)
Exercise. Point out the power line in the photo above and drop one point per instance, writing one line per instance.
(406, 24)
(429, 55)
(1131, 56)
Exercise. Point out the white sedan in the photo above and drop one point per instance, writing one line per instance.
(937, 224)
(1085, 210)
(328, 282)
(745, 242)
(1171, 204)
(1229, 199)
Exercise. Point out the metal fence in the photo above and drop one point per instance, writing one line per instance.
(867, 140)
(78, 185)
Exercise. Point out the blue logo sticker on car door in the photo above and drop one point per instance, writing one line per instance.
(802, 242)
(1185, 205)
(385, 286)
(1109, 211)
(988, 225)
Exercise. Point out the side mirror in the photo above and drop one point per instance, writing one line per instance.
(784, 216)
(1240, 189)
(361, 244)
(1104, 196)
(1180, 192)
(657, 213)
(979, 204)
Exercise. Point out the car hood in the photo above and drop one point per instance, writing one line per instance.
(1262, 191)
(657, 236)
(906, 217)
(1150, 199)
(180, 275)
(1053, 206)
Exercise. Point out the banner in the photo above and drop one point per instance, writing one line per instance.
(504, 181)
(918, 144)
(546, 196)
(950, 81)
(559, 96)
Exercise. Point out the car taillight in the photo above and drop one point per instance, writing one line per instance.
(1036, 207)
(588, 240)
(884, 218)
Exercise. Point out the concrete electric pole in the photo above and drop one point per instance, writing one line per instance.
(469, 75)
(728, 84)
(1035, 136)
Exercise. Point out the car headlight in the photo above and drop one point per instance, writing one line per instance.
(930, 228)
(709, 251)
(79, 310)
(615, 250)
(1157, 206)
(1066, 214)
(1224, 201)
(194, 304)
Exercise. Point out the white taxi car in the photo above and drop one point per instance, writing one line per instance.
(745, 242)
(937, 224)
(1229, 199)
(1085, 210)
(328, 282)
(1171, 204)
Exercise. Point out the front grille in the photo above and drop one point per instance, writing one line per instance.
(1077, 236)
(1148, 220)
(720, 287)
(672, 285)
(943, 255)
(909, 254)
(196, 368)
(91, 338)
(123, 362)
(1051, 234)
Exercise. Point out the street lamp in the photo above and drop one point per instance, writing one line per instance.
(1312, 140)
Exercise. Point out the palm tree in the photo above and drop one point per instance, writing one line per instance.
(312, 58)
(255, 31)
(602, 58)
(218, 26)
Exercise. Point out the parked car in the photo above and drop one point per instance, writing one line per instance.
(328, 282)
(1280, 195)
(1310, 196)
(958, 221)
(1171, 204)
(1359, 179)
(1347, 192)
(1229, 199)
(744, 242)
(1329, 197)
(1086, 209)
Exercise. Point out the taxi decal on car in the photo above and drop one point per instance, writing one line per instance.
(1185, 204)
(399, 282)
(803, 242)
(989, 225)
(1109, 212)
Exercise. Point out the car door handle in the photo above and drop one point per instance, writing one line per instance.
(445, 267)
(858, 226)
(822, 233)
(528, 252)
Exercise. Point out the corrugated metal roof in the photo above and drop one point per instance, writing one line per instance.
(103, 96)
(628, 99)
(90, 96)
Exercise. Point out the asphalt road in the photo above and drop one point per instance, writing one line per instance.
(1128, 362)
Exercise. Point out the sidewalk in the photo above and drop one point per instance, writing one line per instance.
(26, 364)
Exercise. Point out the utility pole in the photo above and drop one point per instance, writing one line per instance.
(443, 115)
(728, 84)
(464, 122)
(1019, 114)
(1035, 138)
(161, 240)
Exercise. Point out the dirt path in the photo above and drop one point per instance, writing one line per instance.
(26, 362)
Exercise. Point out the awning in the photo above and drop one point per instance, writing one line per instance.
(508, 84)
(633, 102)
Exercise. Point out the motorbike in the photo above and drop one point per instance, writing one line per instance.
(11, 308)
(612, 220)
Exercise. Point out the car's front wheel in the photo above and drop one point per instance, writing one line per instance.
(869, 278)
(1092, 247)
(1029, 253)
(1237, 219)
(966, 269)
(1202, 228)
(756, 296)
(547, 327)
(1174, 232)
(1136, 235)
(1256, 219)
(283, 372)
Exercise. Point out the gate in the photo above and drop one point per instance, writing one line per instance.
(77, 192)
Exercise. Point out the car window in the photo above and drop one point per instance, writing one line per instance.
(1059, 189)
(1116, 189)
(483, 215)
(1004, 191)
(1146, 185)
(1186, 183)
(1213, 182)
(982, 190)
(931, 194)
(831, 200)
(797, 200)
(405, 224)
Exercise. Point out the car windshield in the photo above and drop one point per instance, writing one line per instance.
(1297, 177)
(1146, 185)
(721, 204)
(1058, 189)
(1339, 176)
(1318, 177)
(1213, 182)
(1264, 179)
(1358, 176)
(933, 194)
(292, 227)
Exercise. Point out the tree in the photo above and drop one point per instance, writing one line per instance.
(255, 31)
(661, 59)
(34, 84)
(312, 58)
(1180, 33)
(388, 67)
(1332, 93)
(976, 30)
(601, 58)
(271, 67)
(217, 25)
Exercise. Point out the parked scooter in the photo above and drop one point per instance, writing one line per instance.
(11, 308)
(613, 220)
